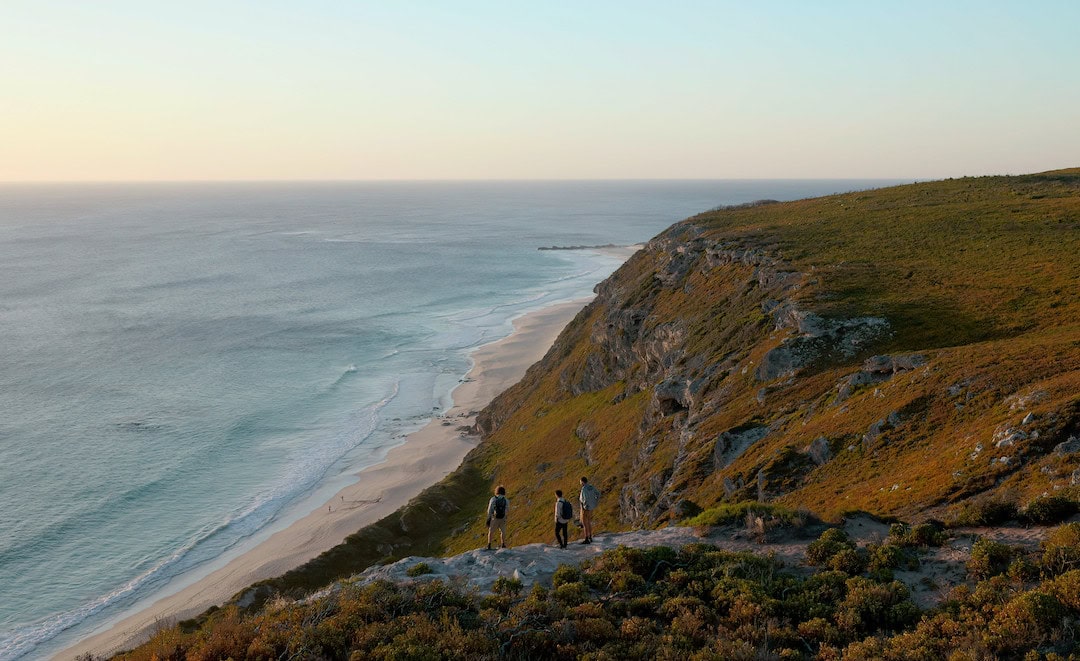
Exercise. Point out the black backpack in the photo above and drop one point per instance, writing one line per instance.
(567, 510)
(500, 507)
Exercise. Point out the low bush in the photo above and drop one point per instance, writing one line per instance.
(566, 574)
(1061, 549)
(820, 551)
(987, 511)
(510, 587)
(921, 535)
(1047, 510)
(989, 558)
(849, 561)
(419, 569)
(890, 556)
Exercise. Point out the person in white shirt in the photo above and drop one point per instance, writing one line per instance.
(497, 510)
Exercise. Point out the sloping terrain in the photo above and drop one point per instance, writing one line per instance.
(897, 351)
(911, 352)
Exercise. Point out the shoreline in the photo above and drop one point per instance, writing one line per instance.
(422, 459)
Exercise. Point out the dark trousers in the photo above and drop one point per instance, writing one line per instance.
(560, 533)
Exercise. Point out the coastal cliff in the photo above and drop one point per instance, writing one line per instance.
(909, 352)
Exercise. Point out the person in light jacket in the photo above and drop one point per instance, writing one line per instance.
(497, 510)
(589, 499)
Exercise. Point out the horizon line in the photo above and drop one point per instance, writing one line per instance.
(14, 182)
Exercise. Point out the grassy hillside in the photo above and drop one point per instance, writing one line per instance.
(978, 281)
(912, 352)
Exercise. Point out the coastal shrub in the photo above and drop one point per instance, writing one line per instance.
(831, 542)
(419, 569)
(566, 574)
(626, 581)
(849, 561)
(1022, 570)
(1066, 588)
(711, 605)
(889, 556)
(985, 511)
(989, 558)
(506, 586)
(1027, 620)
(571, 594)
(870, 606)
(1047, 510)
(921, 535)
(1061, 549)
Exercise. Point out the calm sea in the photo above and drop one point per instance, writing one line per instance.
(185, 366)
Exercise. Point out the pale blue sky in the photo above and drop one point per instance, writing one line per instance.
(119, 90)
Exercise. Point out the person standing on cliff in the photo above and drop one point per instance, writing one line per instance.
(498, 508)
(564, 513)
(589, 499)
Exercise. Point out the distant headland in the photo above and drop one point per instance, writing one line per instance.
(605, 246)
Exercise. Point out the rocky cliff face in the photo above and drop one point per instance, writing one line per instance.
(751, 353)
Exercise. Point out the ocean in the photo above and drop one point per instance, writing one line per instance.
(185, 367)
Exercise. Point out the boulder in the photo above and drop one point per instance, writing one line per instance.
(849, 384)
(672, 395)
(731, 444)
(819, 450)
(876, 430)
(731, 488)
(818, 339)
(1068, 447)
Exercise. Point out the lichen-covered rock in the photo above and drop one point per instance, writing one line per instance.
(1068, 447)
(675, 394)
(849, 384)
(819, 450)
(819, 339)
(670, 396)
(1008, 437)
(731, 487)
(732, 443)
(875, 430)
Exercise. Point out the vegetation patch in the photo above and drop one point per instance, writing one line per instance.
(696, 602)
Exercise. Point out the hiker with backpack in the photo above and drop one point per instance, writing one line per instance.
(497, 509)
(589, 498)
(564, 514)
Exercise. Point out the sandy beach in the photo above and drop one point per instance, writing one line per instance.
(423, 459)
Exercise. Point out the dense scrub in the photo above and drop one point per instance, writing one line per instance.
(697, 602)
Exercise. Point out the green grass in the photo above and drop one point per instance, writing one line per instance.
(735, 513)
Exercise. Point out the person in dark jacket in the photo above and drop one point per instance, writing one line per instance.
(497, 510)
(562, 507)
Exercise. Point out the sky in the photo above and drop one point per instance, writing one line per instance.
(117, 90)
